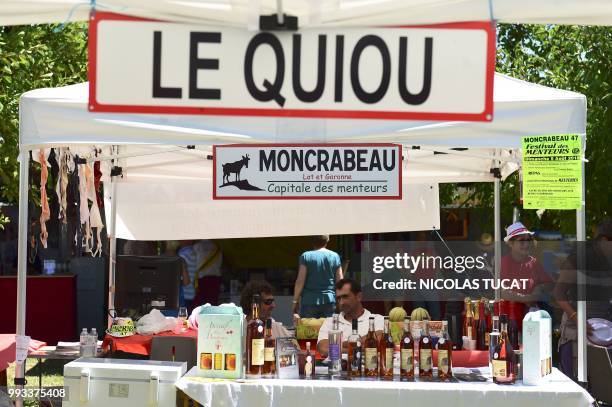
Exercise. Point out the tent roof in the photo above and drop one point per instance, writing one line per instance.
(318, 12)
(59, 116)
(165, 191)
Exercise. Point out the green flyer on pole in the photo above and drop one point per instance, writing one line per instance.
(552, 171)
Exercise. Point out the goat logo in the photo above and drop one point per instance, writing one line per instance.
(236, 168)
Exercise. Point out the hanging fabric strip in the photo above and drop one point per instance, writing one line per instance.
(62, 185)
(73, 206)
(83, 209)
(98, 184)
(95, 220)
(45, 213)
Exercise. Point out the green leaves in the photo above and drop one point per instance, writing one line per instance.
(575, 58)
(33, 57)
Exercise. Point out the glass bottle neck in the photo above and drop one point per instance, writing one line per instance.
(371, 325)
(386, 326)
(255, 311)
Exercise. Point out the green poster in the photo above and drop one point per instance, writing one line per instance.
(552, 172)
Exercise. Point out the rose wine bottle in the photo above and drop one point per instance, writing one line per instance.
(425, 352)
(386, 348)
(407, 352)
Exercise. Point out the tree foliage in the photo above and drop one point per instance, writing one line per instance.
(575, 58)
(566, 57)
(31, 57)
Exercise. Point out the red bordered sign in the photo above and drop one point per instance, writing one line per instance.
(433, 72)
(307, 171)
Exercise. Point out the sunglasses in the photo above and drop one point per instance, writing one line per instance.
(524, 239)
(269, 301)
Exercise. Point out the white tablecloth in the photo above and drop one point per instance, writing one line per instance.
(556, 391)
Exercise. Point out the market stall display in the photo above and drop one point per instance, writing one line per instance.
(557, 389)
(145, 156)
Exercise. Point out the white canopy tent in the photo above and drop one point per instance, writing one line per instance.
(317, 13)
(165, 192)
(166, 183)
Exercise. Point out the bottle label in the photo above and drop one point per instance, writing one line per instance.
(257, 352)
(500, 368)
(371, 361)
(407, 359)
(443, 362)
(356, 358)
(269, 355)
(334, 351)
(425, 359)
(469, 332)
(308, 367)
(389, 358)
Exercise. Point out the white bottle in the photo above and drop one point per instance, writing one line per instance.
(83, 342)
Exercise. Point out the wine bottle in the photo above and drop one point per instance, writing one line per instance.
(425, 352)
(269, 366)
(354, 351)
(371, 352)
(445, 354)
(481, 327)
(386, 348)
(335, 347)
(503, 358)
(255, 341)
(407, 352)
(309, 363)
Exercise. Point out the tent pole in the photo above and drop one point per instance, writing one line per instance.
(22, 257)
(581, 303)
(497, 226)
(112, 249)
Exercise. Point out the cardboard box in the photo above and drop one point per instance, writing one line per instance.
(537, 346)
(220, 341)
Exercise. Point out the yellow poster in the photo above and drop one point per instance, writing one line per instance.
(552, 171)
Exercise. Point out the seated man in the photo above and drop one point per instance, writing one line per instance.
(348, 298)
(266, 305)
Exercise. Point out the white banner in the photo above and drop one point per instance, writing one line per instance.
(307, 171)
(442, 72)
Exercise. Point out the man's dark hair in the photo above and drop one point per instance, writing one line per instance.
(253, 287)
(320, 240)
(355, 286)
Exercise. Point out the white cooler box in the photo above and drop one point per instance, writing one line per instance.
(97, 382)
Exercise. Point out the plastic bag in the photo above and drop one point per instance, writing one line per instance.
(155, 322)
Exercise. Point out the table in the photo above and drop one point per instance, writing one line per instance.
(7, 353)
(50, 307)
(140, 344)
(557, 390)
(51, 352)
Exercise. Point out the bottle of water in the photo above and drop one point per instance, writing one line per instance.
(94, 343)
(335, 347)
(83, 342)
